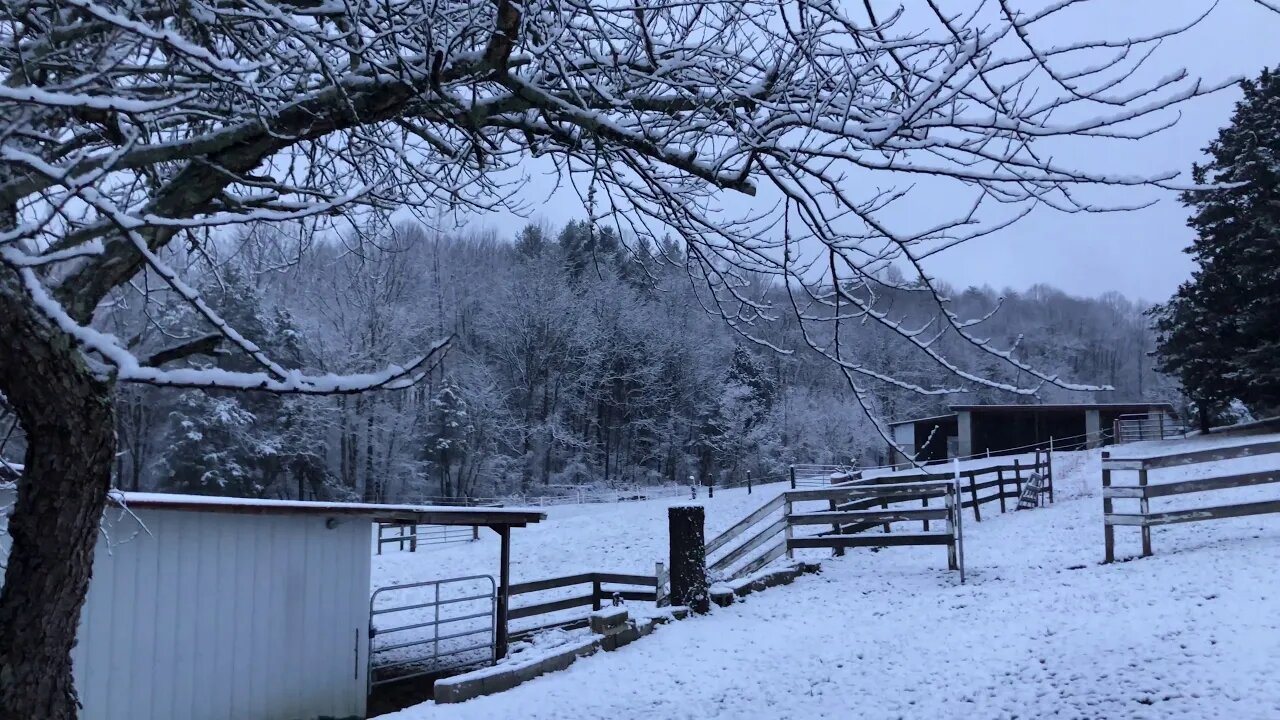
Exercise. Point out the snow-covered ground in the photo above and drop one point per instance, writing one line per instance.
(1040, 630)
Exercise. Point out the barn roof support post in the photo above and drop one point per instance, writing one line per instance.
(502, 632)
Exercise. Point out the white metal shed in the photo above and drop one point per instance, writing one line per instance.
(215, 608)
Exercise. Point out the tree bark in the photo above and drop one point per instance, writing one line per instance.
(67, 414)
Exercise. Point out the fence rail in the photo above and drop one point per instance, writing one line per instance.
(413, 535)
(859, 504)
(604, 588)
(1144, 491)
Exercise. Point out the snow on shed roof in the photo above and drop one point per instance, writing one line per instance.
(420, 514)
(949, 416)
(1071, 406)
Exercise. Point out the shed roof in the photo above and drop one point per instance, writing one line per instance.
(421, 514)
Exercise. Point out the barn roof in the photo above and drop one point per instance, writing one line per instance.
(1070, 406)
(420, 514)
(1122, 406)
(949, 416)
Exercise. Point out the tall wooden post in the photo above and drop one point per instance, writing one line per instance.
(1000, 480)
(501, 636)
(1108, 532)
(1017, 477)
(689, 584)
(793, 477)
(748, 482)
(711, 486)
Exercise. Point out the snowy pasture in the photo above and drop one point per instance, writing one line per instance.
(1041, 629)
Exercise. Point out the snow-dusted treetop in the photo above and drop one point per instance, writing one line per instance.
(126, 125)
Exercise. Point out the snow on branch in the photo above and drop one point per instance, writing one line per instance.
(821, 115)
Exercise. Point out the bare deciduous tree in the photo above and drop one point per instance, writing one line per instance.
(127, 127)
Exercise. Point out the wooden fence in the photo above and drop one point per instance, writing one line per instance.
(986, 485)
(862, 504)
(410, 535)
(1144, 492)
(603, 588)
(851, 510)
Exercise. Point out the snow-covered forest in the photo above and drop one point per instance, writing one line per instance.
(578, 359)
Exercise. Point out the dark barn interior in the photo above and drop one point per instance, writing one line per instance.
(931, 437)
(1008, 431)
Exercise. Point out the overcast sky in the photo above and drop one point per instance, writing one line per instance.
(1138, 253)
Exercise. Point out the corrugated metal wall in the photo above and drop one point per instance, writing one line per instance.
(219, 616)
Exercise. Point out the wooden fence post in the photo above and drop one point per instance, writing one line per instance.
(689, 585)
(475, 532)
(973, 493)
(1049, 468)
(1017, 477)
(924, 503)
(835, 529)
(748, 482)
(1145, 507)
(1000, 479)
(950, 498)
(787, 531)
(1108, 532)
(793, 477)
(711, 486)
(596, 592)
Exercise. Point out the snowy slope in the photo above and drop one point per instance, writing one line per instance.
(1041, 629)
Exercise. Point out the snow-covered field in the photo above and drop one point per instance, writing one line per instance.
(1040, 630)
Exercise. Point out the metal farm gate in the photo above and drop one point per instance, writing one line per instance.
(430, 627)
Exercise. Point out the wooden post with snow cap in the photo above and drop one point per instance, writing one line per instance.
(689, 586)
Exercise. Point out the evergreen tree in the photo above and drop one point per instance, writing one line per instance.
(1220, 334)
(446, 446)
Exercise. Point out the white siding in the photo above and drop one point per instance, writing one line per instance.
(220, 616)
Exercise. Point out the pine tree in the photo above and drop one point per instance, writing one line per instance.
(1220, 334)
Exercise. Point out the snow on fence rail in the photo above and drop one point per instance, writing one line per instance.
(1145, 492)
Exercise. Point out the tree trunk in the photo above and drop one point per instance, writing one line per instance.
(67, 415)
(689, 586)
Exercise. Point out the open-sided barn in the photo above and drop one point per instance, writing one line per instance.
(970, 430)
